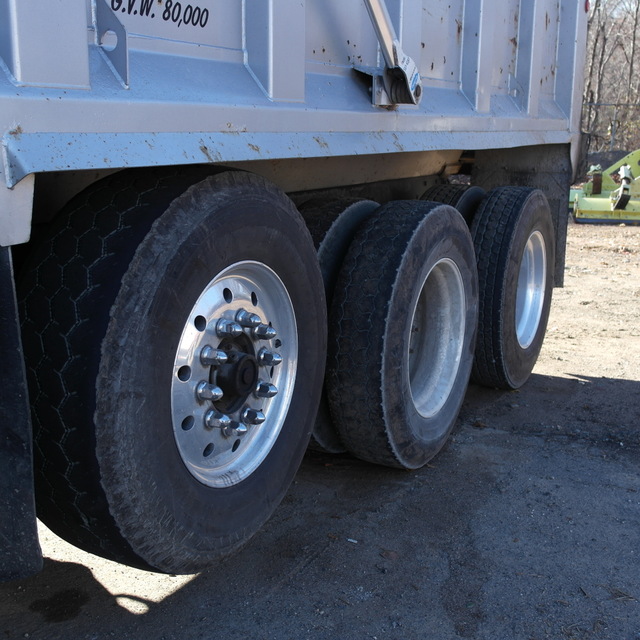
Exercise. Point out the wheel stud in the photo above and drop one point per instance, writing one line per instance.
(253, 416)
(228, 329)
(247, 319)
(214, 419)
(265, 389)
(211, 357)
(264, 332)
(268, 358)
(207, 391)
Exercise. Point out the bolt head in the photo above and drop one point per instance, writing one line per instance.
(264, 332)
(240, 429)
(247, 319)
(253, 416)
(215, 420)
(211, 357)
(234, 430)
(268, 358)
(265, 389)
(206, 391)
(228, 329)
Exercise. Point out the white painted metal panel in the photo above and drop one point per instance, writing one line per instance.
(44, 42)
(248, 80)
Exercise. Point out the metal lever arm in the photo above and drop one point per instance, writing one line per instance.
(621, 196)
(401, 77)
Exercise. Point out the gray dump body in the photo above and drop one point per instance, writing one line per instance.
(292, 103)
(267, 81)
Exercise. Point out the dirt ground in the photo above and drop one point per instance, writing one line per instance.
(526, 526)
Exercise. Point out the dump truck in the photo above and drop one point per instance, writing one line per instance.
(233, 230)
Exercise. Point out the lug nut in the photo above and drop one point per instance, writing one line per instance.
(264, 332)
(253, 416)
(265, 389)
(215, 420)
(234, 429)
(240, 429)
(211, 357)
(228, 329)
(247, 319)
(207, 391)
(268, 358)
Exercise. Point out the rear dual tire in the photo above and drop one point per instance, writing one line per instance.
(404, 317)
(513, 237)
(464, 198)
(332, 225)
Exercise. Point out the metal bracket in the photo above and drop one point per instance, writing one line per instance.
(111, 38)
(400, 77)
(621, 196)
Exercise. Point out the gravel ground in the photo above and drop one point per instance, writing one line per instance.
(526, 526)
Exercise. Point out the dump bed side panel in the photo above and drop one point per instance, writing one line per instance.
(170, 82)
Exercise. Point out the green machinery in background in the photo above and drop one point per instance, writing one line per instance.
(606, 199)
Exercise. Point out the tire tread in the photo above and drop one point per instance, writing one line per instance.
(75, 269)
(492, 231)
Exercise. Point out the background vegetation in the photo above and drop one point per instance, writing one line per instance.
(611, 112)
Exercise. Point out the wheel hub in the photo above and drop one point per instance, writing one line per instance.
(237, 379)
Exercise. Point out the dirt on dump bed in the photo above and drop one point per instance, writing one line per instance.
(525, 527)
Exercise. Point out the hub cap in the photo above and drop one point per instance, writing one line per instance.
(234, 373)
(532, 279)
(437, 338)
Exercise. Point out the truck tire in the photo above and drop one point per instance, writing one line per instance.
(175, 367)
(404, 314)
(332, 226)
(462, 197)
(514, 242)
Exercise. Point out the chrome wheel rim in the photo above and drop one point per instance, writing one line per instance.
(437, 338)
(532, 279)
(234, 374)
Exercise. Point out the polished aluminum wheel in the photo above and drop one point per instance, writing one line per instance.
(437, 337)
(234, 374)
(530, 295)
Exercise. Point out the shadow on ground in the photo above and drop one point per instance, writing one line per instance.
(527, 525)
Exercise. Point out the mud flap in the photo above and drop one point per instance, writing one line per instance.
(20, 554)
